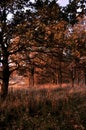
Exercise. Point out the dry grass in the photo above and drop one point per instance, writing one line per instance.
(44, 108)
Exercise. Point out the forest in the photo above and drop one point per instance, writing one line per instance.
(44, 43)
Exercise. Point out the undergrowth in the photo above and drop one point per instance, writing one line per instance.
(44, 109)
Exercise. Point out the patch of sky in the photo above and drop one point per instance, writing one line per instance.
(9, 16)
(63, 2)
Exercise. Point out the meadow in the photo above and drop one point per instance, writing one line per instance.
(45, 107)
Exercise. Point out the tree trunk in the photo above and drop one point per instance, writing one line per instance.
(5, 77)
(4, 55)
(73, 75)
(4, 87)
(85, 76)
(78, 79)
(60, 75)
(31, 77)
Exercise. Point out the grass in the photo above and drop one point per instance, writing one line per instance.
(44, 108)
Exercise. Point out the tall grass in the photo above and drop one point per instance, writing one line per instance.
(44, 109)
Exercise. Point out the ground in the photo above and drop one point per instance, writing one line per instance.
(45, 107)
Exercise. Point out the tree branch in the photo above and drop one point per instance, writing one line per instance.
(18, 50)
(11, 71)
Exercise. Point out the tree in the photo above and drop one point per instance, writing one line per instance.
(76, 45)
(75, 8)
(10, 43)
(40, 32)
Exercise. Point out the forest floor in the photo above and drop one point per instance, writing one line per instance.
(46, 107)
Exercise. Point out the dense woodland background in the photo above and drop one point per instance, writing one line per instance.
(42, 41)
